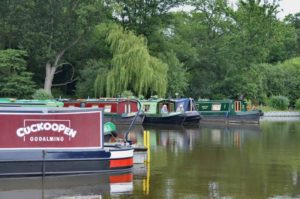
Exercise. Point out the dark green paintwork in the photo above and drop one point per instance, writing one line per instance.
(220, 107)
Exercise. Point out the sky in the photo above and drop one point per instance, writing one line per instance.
(286, 7)
(289, 7)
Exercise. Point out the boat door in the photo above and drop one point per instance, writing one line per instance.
(237, 106)
(127, 107)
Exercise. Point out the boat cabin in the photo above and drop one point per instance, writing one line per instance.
(231, 106)
(110, 105)
(185, 104)
(156, 106)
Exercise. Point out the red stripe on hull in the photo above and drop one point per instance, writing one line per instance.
(121, 163)
(121, 178)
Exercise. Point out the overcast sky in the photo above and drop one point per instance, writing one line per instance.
(289, 6)
(286, 7)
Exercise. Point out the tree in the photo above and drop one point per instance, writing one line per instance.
(143, 17)
(208, 30)
(177, 75)
(291, 81)
(132, 67)
(294, 20)
(15, 81)
(85, 85)
(61, 25)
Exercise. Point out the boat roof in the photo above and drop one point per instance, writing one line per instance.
(216, 101)
(46, 109)
(99, 100)
(183, 99)
(157, 101)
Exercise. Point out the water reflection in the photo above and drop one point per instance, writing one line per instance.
(219, 161)
(176, 138)
(89, 185)
(209, 161)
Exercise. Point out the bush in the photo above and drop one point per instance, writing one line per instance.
(297, 104)
(126, 94)
(41, 94)
(279, 102)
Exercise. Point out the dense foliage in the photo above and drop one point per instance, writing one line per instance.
(99, 48)
(297, 104)
(41, 94)
(279, 102)
(15, 80)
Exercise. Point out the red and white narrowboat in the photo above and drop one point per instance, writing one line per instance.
(116, 110)
(43, 141)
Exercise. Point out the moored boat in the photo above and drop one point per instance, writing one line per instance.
(228, 111)
(57, 141)
(161, 112)
(116, 110)
(12, 102)
(187, 106)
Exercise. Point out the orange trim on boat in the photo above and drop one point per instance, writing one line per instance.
(121, 163)
(128, 177)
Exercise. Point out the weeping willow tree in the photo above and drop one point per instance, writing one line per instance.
(133, 68)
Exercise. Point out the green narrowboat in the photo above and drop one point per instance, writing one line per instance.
(12, 102)
(161, 111)
(231, 111)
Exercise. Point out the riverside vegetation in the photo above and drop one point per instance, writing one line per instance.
(96, 48)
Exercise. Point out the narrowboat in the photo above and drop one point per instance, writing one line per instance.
(12, 102)
(228, 111)
(116, 110)
(161, 112)
(46, 141)
(187, 106)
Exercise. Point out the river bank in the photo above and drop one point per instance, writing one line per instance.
(282, 114)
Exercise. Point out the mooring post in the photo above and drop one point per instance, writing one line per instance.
(146, 182)
(147, 144)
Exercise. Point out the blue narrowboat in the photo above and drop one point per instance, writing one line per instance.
(188, 107)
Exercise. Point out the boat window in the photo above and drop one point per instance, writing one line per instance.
(82, 104)
(107, 108)
(180, 108)
(146, 107)
(216, 107)
(164, 109)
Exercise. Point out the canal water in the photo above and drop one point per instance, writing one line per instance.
(206, 161)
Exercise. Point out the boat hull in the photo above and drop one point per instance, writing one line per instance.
(124, 120)
(46, 162)
(177, 119)
(242, 117)
(191, 118)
